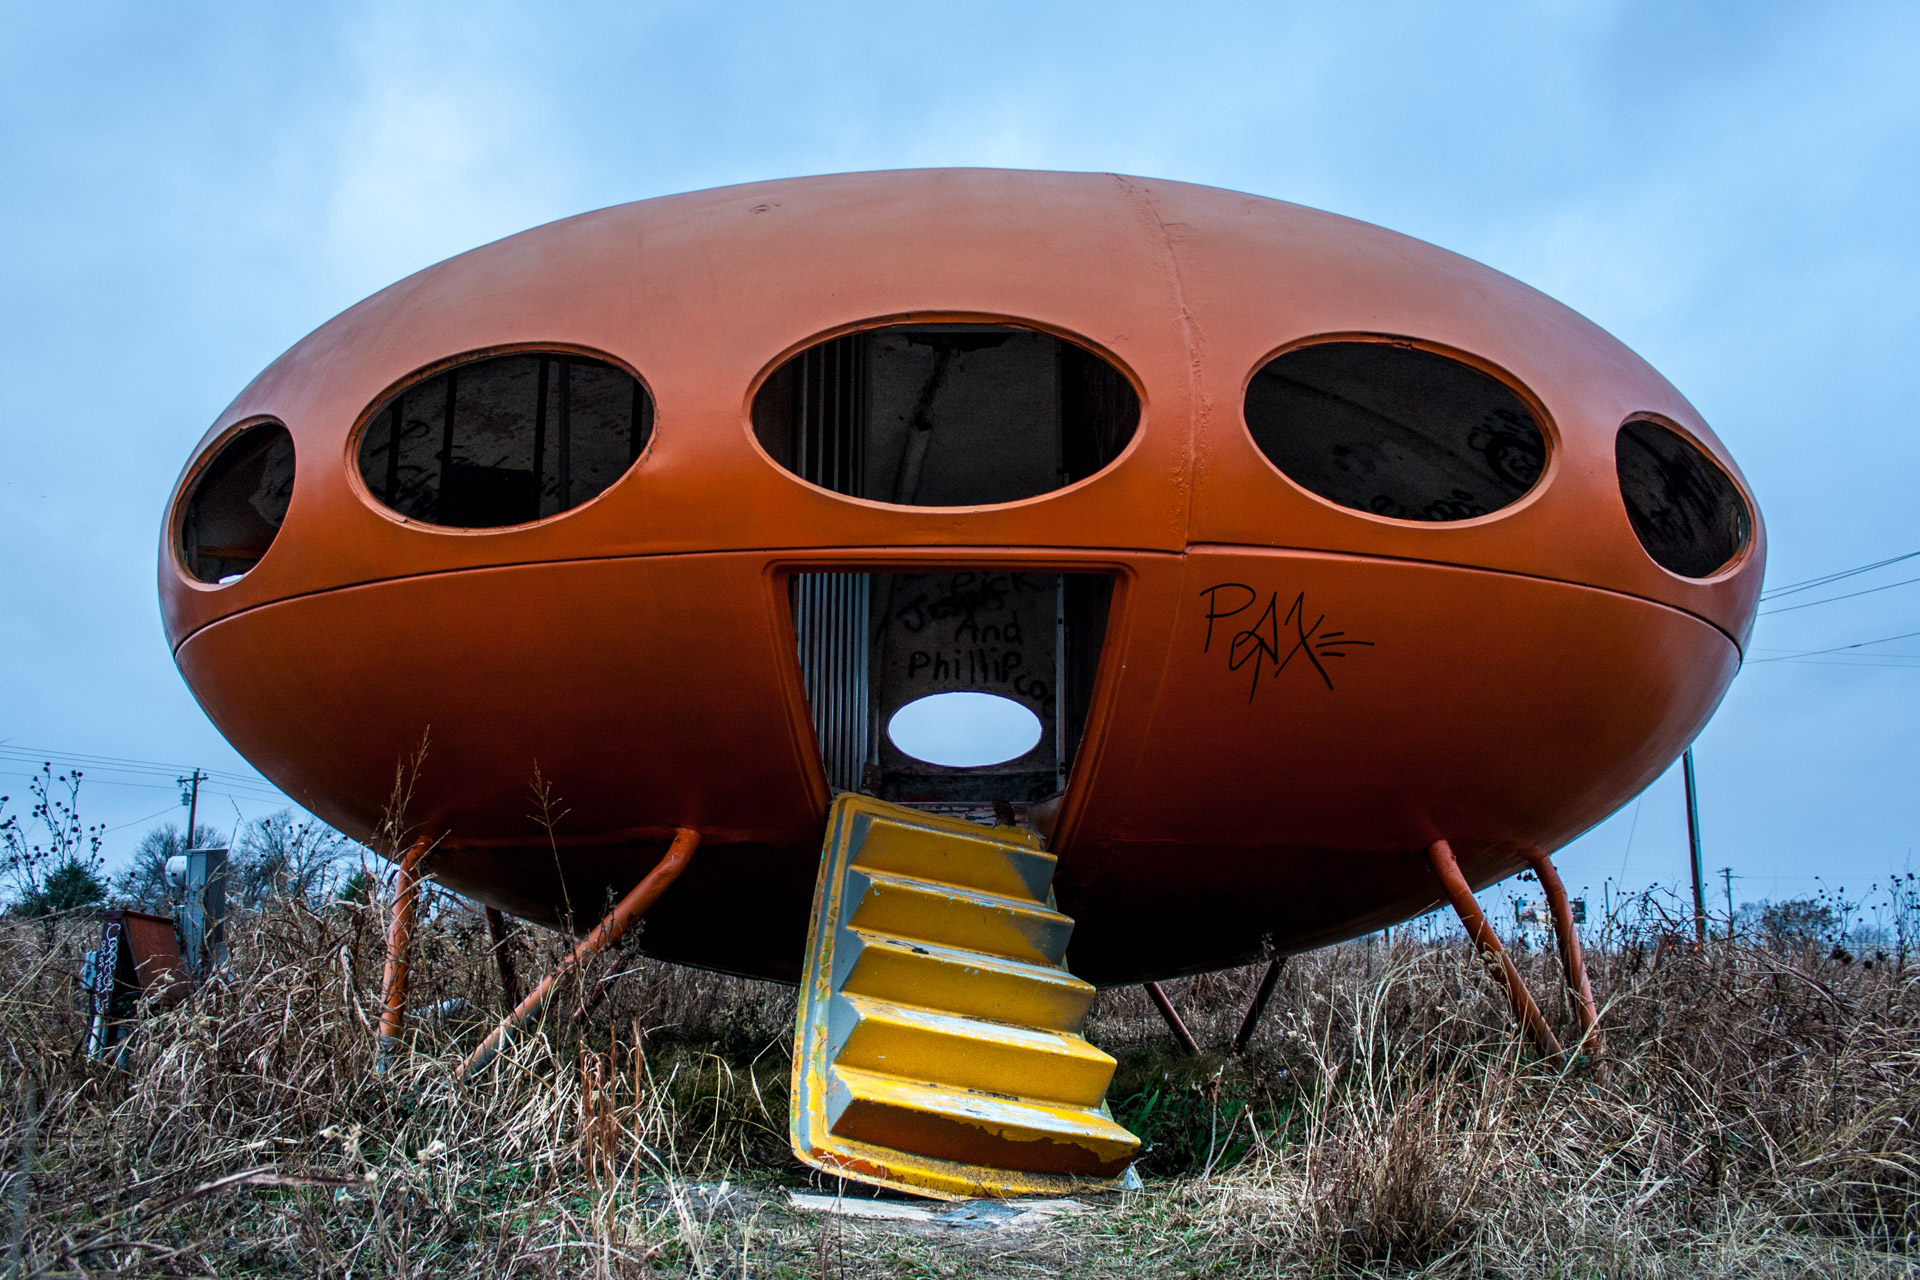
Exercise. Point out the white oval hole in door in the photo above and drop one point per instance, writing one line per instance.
(964, 730)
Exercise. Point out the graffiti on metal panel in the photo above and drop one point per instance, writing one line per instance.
(967, 631)
(1272, 640)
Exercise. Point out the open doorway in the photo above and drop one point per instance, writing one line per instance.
(920, 684)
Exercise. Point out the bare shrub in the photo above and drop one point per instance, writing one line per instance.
(50, 857)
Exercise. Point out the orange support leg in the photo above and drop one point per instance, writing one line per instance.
(604, 935)
(393, 1001)
(1440, 853)
(1573, 961)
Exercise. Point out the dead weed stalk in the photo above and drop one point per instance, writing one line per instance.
(1757, 1116)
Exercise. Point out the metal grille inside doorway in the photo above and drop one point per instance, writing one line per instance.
(830, 622)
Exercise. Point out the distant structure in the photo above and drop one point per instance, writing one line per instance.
(1329, 573)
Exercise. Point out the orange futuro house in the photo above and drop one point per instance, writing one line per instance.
(1304, 544)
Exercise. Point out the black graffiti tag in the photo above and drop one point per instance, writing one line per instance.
(1260, 644)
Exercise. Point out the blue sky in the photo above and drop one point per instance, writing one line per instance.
(1730, 189)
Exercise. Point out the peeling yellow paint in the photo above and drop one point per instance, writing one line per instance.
(938, 1047)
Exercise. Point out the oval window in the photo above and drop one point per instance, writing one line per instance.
(1395, 431)
(945, 415)
(1685, 510)
(964, 730)
(505, 440)
(238, 503)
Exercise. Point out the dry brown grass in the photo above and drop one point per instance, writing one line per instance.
(1755, 1117)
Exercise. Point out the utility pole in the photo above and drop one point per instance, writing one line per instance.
(203, 906)
(1727, 873)
(1693, 840)
(190, 788)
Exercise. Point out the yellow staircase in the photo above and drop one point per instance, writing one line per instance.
(938, 1048)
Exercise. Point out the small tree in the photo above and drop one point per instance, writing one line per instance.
(270, 857)
(1799, 922)
(280, 856)
(52, 859)
(357, 889)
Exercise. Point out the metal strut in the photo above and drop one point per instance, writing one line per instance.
(1172, 1015)
(1573, 961)
(1440, 853)
(498, 930)
(605, 934)
(393, 1002)
(1259, 1005)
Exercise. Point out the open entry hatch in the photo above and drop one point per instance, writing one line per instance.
(872, 644)
(912, 677)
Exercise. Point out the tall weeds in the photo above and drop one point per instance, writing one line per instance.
(1755, 1116)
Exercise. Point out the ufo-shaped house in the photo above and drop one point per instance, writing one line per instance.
(1288, 546)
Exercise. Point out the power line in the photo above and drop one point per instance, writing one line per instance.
(1831, 599)
(1852, 666)
(137, 821)
(1809, 584)
(1840, 648)
(139, 768)
(239, 793)
(123, 763)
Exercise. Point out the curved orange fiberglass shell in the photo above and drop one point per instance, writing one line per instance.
(1530, 671)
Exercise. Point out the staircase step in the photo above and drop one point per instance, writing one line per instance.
(929, 911)
(975, 1128)
(959, 981)
(938, 1048)
(966, 1053)
(976, 858)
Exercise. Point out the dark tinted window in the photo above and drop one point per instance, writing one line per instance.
(945, 415)
(1395, 431)
(237, 504)
(505, 440)
(1685, 509)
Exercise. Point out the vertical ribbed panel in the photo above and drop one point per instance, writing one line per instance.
(830, 415)
(830, 612)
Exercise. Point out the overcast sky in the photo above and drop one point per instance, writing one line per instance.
(1732, 189)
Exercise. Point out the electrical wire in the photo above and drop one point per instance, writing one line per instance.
(1808, 584)
(251, 796)
(139, 768)
(1638, 801)
(1857, 666)
(1848, 596)
(1839, 648)
(137, 821)
(124, 764)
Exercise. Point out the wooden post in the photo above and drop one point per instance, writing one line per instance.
(1693, 844)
